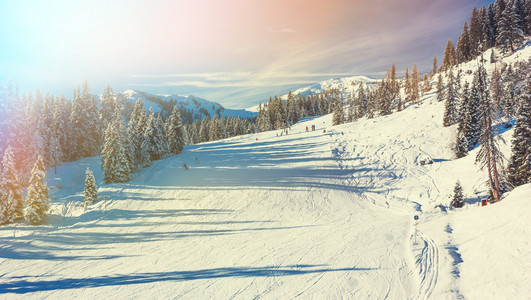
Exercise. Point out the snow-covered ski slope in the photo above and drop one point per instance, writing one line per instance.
(310, 215)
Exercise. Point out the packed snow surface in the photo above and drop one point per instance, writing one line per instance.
(324, 214)
(309, 214)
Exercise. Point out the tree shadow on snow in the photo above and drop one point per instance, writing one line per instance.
(27, 286)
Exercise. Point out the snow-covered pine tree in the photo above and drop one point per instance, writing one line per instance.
(37, 201)
(461, 144)
(161, 136)
(45, 129)
(510, 34)
(60, 131)
(337, 118)
(36, 132)
(114, 157)
(193, 133)
(473, 118)
(476, 33)
(175, 132)
(155, 143)
(463, 49)
(278, 121)
(510, 93)
(85, 124)
(387, 97)
(450, 104)
(497, 91)
(490, 26)
(108, 106)
(203, 130)
(136, 128)
(415, 81)
(399, 105)
(19, 137)
(440, 88)
(362, 101)
(11, 203)
(213, 130)
(519, 169)
(458, 199)
(91, 190)
(371, 104)
(489, 155)
(527, 18)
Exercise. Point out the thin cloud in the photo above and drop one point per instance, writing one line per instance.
(282, 30)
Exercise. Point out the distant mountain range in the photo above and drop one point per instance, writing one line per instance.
(348, 84)
(191, 106)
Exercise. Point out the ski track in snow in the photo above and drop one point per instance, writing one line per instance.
(427, 262)
(278, 217)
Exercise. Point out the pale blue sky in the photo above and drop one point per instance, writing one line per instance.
(235, 52)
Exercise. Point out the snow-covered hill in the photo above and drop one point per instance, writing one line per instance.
(198, 106)
(324, 214)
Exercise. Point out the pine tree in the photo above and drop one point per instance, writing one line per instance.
(213, 129)
(399, 105)
(203, 131)
(37, 201)
(527, 18)
(476, 33)
(337, 118)
(461, 144)
(440, 88)
(108, 106)
(415, 80)
(472, 129)
(371, 103)
(155, 143)
(91, 190)
(19, 137)
(114, 158)
(60, 132)
(136, 128)
(497, 91)
(11, 203)
(510, 34)
(484, 28)
(458, 200)
(434, 67)
(490, 31)
(362, 101)
(45, 130)
(489, 154)
(85, 124)
(450, 105)
(386, 97)
(519, 169)
(449, 56)
(511, 92)
(463, 49)
(175, 132)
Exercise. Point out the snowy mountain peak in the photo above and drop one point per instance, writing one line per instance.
(197, 108)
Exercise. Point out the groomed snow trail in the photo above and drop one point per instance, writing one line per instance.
(258, 216)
